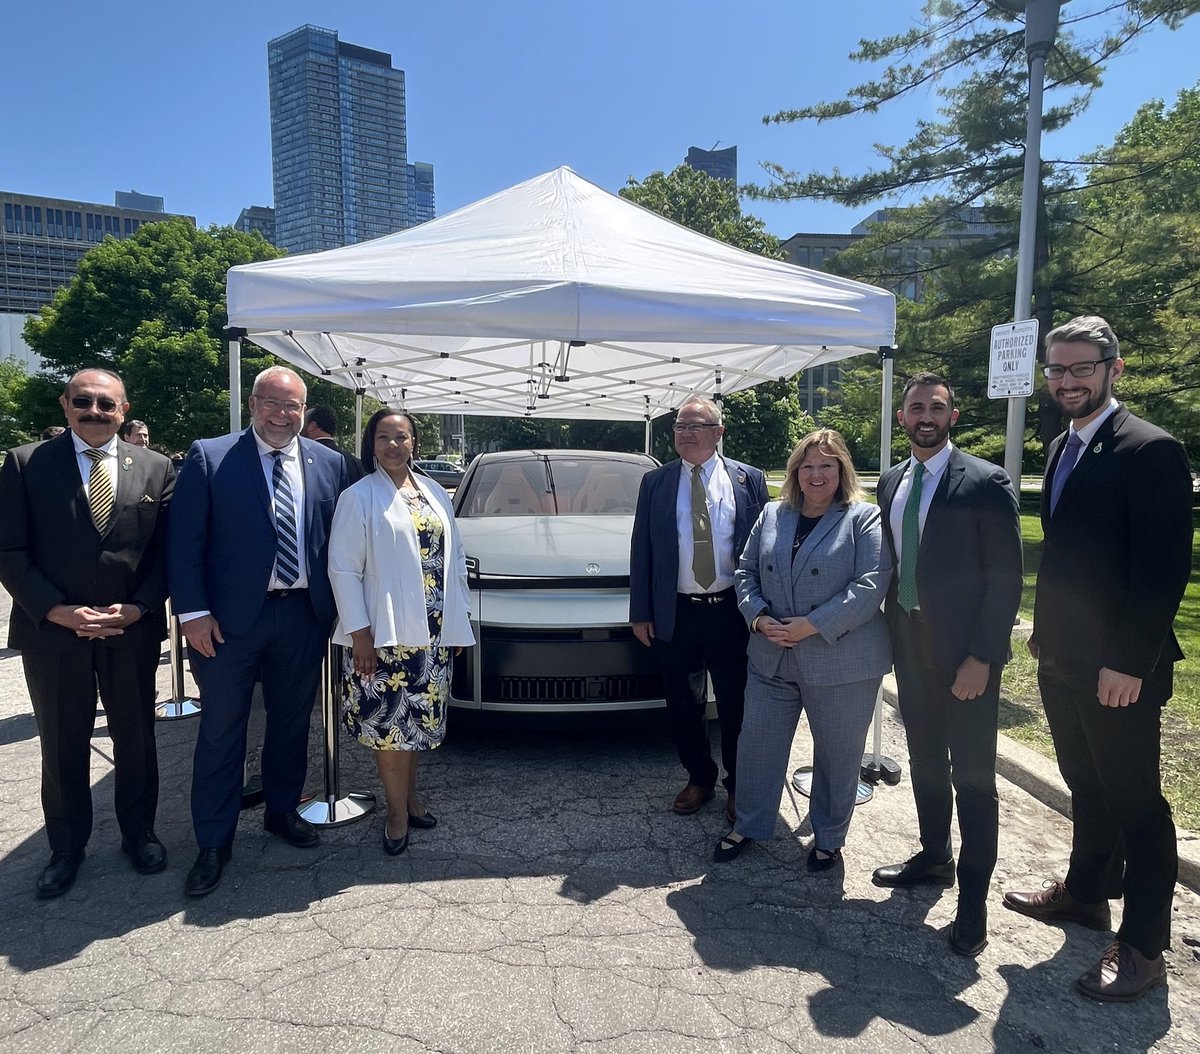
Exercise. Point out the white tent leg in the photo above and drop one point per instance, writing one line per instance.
(234, 337)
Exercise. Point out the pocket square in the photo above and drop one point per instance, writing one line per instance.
(146, 498)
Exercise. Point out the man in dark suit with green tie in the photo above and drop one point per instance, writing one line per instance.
(82, 543)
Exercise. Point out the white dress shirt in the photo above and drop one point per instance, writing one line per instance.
(295, 477)
(933, 469)
(1088, 431)
(722, 515)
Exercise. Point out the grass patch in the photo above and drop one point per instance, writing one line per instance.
(1021, 715)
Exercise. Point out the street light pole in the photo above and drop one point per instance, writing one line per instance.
(1041, 26)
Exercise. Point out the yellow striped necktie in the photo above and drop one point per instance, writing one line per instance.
(100, 491)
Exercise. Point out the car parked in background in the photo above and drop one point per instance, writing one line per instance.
(546, 534)
(447, 473)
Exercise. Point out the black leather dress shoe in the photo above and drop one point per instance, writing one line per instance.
(205, 874)
(146, 852)
(422, 823)
(968, 931)
(919, 870)
(59, 875)
(729, 847)
(292, 828)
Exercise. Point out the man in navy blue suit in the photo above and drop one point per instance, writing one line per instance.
(247, 565)
(693, 518)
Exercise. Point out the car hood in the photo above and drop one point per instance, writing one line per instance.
(548, 546)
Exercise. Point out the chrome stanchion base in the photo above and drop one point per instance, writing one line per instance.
(802, 781)
(174, 709)
(323, 813)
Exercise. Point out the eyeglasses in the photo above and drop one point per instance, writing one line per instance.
(691, 429)
(275, 405)
(1077, 369)
(102, 403)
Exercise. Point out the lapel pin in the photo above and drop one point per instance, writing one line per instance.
(742, 478)
(146, 499)
(309, 460)
(126, 463)
(1097, 448)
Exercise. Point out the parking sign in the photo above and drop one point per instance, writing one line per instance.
(1013, 359)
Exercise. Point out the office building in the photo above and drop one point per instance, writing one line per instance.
(131, 199)
(44, 239)
(720, 164)
(908, 260)
(259, 218)
(420, 193)
(339, 146)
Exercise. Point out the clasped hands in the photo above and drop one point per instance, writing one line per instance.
(94, 622)
(785, 632)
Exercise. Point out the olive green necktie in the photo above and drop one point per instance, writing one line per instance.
(704, 564)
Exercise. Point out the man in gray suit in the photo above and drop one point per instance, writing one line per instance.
(952, 523)
(82, 541)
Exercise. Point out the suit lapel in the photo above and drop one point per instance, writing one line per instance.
(247, 450)
(308, 474)
(948, 484)
(737, 477)
(833, 516)
(888, 483)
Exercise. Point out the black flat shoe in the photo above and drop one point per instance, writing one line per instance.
(394, 846)
(59, 874)
(206, 872)
(422, 823)
(729, 847)
(828, 858)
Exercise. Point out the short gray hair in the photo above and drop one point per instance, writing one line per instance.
(279, 371)
(708, 405)
(1087, 329)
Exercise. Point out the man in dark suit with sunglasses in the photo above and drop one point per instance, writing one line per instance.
(1117, 523)
(82, 543)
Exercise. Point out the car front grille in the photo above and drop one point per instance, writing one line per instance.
(534, 690)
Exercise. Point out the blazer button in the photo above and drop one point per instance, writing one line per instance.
(770, 567)
(815, 571)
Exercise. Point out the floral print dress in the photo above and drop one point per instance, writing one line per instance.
(403, 706)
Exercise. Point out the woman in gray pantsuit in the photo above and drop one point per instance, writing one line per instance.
(809, 584)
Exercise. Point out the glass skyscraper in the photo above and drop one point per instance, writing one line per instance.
(339, 149)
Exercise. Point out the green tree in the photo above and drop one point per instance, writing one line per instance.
(15, 427)
(971, 52)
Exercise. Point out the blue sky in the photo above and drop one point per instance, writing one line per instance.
(171, 98)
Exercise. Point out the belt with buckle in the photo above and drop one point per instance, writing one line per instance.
(275, 594)
(709, 598)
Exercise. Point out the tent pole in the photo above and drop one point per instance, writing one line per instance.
(358, 401)
(234, 336)
(647, 433)
(874, 765)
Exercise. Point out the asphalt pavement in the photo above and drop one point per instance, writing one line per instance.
(558, 906)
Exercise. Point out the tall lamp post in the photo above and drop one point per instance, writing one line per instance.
(1041, 26)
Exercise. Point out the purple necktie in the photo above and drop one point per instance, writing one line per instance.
(1062, 470)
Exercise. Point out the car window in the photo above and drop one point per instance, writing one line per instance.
(574, 487)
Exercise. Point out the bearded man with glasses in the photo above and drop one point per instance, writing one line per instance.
(692, 521)
(82, 551)
(1117, 522)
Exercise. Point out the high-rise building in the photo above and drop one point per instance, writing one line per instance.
(259, 218)
(720, 164)
(339, 147)
(420, 193)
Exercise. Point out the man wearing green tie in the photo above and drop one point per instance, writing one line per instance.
(953, 526)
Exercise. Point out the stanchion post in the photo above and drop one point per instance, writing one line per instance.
(179, 705)
(333, 810)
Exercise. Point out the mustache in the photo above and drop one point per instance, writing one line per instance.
(94, 419)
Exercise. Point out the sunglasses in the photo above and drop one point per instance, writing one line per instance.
(102, 403)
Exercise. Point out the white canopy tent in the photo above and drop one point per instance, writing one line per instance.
(554, 298)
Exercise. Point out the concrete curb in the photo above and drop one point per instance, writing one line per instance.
(1039, 777)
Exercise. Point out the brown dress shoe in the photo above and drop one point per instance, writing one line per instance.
(1055, 904)
(689, 800)
(1122, 975)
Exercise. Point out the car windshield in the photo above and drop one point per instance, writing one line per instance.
(535, 486)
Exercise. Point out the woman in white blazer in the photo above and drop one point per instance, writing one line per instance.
(399, 577)
(809, 584)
